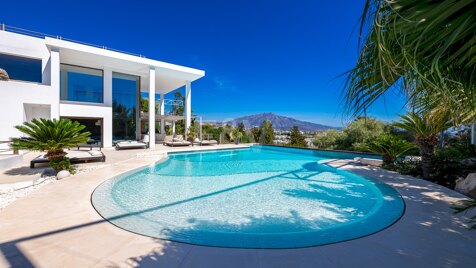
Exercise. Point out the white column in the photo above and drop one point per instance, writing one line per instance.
(152, 108)
(173, 128)
(188, 106)
(55, 82)
(107, 86)
(107, 130)
(162, 113)
(107, 119)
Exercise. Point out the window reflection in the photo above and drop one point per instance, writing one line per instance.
(81, 84)
(125, 90)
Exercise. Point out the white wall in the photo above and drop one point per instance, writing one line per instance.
(14, 94)
(91, 111)
(35, 111)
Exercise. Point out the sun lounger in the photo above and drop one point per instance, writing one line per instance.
(131, 145)
(74, 157)
(177, 141)
(205, 142)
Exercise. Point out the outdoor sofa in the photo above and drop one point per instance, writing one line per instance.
(177, 141)
(74, 157)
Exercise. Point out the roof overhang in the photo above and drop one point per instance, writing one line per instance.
(168, 76)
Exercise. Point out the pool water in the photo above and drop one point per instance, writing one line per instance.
(258, 197)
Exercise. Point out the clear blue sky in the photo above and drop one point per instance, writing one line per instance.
(259, 56)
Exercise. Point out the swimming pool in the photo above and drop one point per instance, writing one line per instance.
(258, 197)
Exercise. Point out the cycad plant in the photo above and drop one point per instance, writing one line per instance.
(390, 147)
(51, 136)
(425, 127)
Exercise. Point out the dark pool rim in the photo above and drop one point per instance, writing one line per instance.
(251, 248)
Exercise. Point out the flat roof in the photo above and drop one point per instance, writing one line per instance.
(168, 76)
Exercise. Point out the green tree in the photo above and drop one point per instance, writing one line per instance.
(425, 128)
(424, 49)
(178, 109)
(51, 136)
(296, 138)
(389, 147)
(360, 132)
(256, 134)
(266, 133)
(328, 139)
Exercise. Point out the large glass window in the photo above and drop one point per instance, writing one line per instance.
(81, 84)
(125, 93)
(20, 68)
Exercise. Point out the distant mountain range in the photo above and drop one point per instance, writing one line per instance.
(279, 122)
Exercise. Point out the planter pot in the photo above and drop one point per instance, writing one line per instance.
(237, 141)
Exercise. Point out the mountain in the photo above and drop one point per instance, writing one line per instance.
(279, 122)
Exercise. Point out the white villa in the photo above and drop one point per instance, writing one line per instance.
(50, 77)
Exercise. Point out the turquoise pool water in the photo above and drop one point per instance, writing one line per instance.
(261, 197)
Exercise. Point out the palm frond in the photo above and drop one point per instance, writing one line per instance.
(428, 46)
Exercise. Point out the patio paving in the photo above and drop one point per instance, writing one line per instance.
(57, 226)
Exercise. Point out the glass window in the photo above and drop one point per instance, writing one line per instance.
(81, 84)
(125, 92)
(20, 68)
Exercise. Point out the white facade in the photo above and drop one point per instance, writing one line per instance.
(22, 101)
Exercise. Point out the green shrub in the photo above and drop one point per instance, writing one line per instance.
(64, 164)
(406, 167)
(328, 139)
(389, 147)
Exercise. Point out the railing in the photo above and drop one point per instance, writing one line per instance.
(14, 29)
(6, 150)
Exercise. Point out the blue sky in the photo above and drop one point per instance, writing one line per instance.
(259, 56)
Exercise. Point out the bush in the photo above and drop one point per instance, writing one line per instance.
(389, 147)
(406, 167)
(64, 164)
(328, 139)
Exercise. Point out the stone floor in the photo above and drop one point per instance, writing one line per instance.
(56, 226)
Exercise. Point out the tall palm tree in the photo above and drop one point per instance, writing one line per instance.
(51, 136)
(425, 127)
(422, 48)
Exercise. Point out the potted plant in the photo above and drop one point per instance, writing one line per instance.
(191, 134)
(52, 136)
(236, 135)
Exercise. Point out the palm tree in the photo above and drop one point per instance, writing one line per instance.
(51, 136)
(236, 135)
(422, 48)
(425, 127)
(390, 148)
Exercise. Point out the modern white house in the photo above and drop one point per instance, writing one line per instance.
(50, 77)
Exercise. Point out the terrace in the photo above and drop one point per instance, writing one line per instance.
(57, 226)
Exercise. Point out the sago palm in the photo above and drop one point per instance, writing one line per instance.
(422, 48)
(51, 136)
(390, 148)
(425, 127)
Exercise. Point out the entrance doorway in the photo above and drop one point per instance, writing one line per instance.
(94, 126)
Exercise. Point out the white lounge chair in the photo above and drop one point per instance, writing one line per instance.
(131, 145)
(197, 141)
